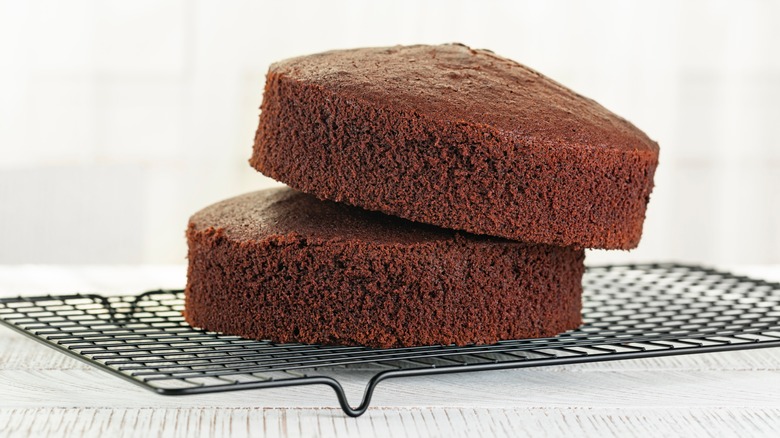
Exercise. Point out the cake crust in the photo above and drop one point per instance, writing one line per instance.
(281, 265)
(456, 137)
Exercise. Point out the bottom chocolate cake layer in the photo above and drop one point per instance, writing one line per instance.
(281, 265)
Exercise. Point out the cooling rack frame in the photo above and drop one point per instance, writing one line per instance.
(630, 312)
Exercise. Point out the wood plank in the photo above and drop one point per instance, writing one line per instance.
(515, 388)
(444, 422)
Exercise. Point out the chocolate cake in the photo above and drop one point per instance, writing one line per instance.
(282, 265)
(459, 138)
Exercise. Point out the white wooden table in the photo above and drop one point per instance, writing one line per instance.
(44, 393)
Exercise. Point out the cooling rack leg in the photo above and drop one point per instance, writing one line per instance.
(342, 396)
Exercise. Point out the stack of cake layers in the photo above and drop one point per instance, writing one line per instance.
(438, 195)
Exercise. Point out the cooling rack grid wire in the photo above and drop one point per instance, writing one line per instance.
(630, 311)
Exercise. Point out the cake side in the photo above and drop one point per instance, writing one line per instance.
(303, 287)
(451, 173)
(351, 294)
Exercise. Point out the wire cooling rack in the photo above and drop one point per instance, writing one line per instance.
(631, 311)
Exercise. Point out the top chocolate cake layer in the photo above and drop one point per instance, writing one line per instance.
(459, 138)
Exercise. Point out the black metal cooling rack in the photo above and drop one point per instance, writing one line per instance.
(632, 311)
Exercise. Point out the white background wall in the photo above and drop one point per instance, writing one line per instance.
(120, 119)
